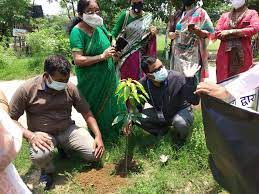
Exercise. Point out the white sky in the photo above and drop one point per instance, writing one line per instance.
(49, 8)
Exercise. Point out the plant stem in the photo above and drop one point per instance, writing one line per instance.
(126, 155)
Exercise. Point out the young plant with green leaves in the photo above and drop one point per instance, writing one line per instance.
(134, 95)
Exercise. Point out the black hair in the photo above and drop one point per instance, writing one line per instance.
(146, 62)
(57, 63)
(81, 6)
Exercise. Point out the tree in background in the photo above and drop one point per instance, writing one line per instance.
(254, 4)
(12, 12)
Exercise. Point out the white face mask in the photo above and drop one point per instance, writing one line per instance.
(237, 3)
(93, 20)
(161, 75)
(56, 85)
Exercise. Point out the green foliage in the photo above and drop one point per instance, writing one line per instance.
(48, 41)
(50, 38)
(253, 4)
(12, 12)
(133, 92)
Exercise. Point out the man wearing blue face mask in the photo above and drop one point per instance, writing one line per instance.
(171, 95)
(47, 101)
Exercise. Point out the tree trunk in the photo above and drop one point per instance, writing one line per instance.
(73, 7)
(166, 35)
(68, 13)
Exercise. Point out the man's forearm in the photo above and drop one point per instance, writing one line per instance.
(189, 89)
(92, 124)
(27, 134)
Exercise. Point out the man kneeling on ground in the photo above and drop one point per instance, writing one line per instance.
(47, 101)
(171, 95)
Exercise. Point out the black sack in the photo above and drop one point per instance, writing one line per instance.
(232, 137)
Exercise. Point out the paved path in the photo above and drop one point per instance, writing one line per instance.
(9, 87)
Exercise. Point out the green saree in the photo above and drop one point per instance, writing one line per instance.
(97, 83)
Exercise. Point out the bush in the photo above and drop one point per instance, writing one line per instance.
(48, 42)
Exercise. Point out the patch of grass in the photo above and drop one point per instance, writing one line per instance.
(161, 45)
(214, 46)
(187, 170)
(21, 68)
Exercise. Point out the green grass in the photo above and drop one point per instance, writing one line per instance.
(20, 67)
(214, 46)
(187, 170)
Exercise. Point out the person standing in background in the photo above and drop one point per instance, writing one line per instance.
(192, 30)
(135, 26)
(235, 30)
(95, 68)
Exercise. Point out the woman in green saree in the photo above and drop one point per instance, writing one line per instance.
(95, 69)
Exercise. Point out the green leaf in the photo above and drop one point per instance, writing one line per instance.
(126, 93)
(143, 97)
(120, 87)
(118, 119)
(129, 81)
(135, 119)
(134, 92)
(141, 115)
(142, 89)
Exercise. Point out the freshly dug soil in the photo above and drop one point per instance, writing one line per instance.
(104, 180)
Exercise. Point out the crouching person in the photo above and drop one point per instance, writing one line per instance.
(47, 101)
(171, 95)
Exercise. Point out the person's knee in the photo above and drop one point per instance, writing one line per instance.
(85, 145)
(39, 156)
(182, 127)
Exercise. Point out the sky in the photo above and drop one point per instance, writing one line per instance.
(49, 8)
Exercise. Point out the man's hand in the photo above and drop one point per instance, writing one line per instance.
(41, 140)
(212, 89)
(98, 147)
(190, 71)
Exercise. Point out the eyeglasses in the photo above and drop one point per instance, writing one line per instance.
(93, 12)
(158, 69)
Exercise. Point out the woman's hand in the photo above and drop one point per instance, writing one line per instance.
(172, 35)
(116, 56)
(227, 34)
(109, 52)
(153, 30)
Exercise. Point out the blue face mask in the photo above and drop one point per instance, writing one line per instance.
(56, 85)
(161, 75)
